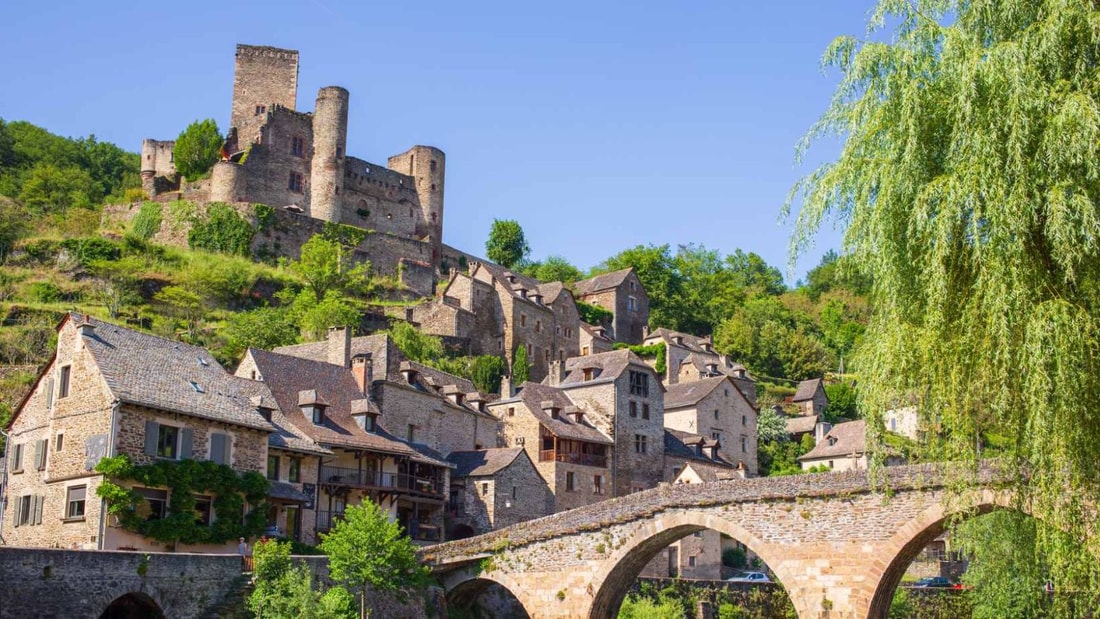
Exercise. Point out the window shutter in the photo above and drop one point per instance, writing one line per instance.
(217, 448)
(39, 454)
(18, 510)
(151, 430)
(38, 501)
(187, 438)
(17, 457)
(49, 393)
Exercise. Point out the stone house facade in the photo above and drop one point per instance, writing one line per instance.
(622, 294)
(715, 408)
(810, 397)
(690, 358)
(495, 488)
(111, 391)
(594, 340)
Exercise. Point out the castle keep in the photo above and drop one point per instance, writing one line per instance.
(298, 162)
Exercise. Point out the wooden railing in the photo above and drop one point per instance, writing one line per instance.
(549, 455)
(381, 480)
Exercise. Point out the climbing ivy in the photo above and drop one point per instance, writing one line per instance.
(593, 314)
(221, 230)
(185, 478)
(265, 216)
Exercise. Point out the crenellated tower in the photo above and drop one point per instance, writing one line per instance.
(427, 165)
(330, 134)
(263, 77)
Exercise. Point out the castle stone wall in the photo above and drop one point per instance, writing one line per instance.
(262, 78)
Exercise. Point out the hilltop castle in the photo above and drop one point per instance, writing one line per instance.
(297, 162)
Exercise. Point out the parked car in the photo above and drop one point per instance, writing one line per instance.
(934, 582)
(755, 577)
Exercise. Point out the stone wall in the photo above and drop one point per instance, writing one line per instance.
(67, 583)
(439, 423)
(271, 160)
(262, 76)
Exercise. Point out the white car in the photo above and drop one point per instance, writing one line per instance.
(754, 577)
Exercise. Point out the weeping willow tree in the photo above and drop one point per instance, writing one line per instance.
(968, 186)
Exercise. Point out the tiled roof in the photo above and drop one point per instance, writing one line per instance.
(689, 393)
(807, 389)
(682, 445)
(534, 394)
(287, 375)
(701, 359)
(287, 492)
(482, 462)
(611, 365)
(146, 370)
(845, 439)
(604, 281)
(801, 424)
(592, 330)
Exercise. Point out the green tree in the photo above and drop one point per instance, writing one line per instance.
(506, 245)
(553, 269)
(486, 372)
(197, 149)
(264, 328)
(117, 283)
(771, 427)
(327, 265)
(315, 317)
(48, 188)
(967, 183)
(367, 551)
(521, 367)
(12, 226)
(843, 401)
(658, 274)
(416, 345)
(283, 590)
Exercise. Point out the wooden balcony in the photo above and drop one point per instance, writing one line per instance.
(550, 455)
(403, 483)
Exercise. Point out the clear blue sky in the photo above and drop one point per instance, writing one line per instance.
(597, 125)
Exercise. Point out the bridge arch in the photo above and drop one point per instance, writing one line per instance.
(912, 537)
(464, 587)
(133, 605)
(613, 581)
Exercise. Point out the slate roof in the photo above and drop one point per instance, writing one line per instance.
(850, 439)
(701, 359)
(483, 462)
(682, 445)
(604, 281)
(287, 376)
(146, 370)
(611, 365)
(807, 389)
(689, 393)
(287, 492)
(534, 394)
(591, 330)
(801, 424)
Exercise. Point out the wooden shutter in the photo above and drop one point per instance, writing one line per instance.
(186, 443)
(17, 457)
(39, 454)
(18, 509)
(38, 501)
(152, 428)
(49, 393)
(217, 448)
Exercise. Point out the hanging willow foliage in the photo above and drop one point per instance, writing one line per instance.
(968, 186)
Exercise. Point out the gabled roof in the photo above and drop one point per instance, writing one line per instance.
(593, 331)
(845, 439)
(483, 462)
(150, 371)
(689, 393)
(702, 359)
(709, 473)
(611, 365)
(604, 281)
(534, 394)
(801, 424)
(287, 376)
(807, 389)
(682, 445)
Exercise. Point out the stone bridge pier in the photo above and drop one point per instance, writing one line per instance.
(838, 547)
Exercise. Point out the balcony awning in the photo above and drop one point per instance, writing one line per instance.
(287, 492)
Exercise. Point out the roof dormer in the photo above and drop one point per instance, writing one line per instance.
(677, 339)
(408, 372)
(364, 417)
(575, 414)
(313, 405)
(476, 400)
(550, 408)
(454, 394)
(262, 406)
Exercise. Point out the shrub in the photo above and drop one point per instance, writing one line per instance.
(733, 557)
(44, 292)
(221, 230)
(147, 222)
(92, 249)
(197, 149)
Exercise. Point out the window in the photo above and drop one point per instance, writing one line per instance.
(59, 442)
(569, 482)
(319, 415)
(66, 375)
(645, 410)
(697, 534)
(639, 384)
(557, 330)
(202, 510)
(260, 109)
(433, 165)
(597, 484)
(168, 441)
(74, 501)
(40, 448)
(515, 491)
(28, 510)
(511, 411)
(294, 470)
(523, 320)
(411, 434)
(219, 447)
(744, 443)
(691, 561)
(484, 488)
(633, 408)
(297, 146)
(744, 420)
(716, 413)
(17, 458)
(589, 373)
(294, 183)
(632, 304)
(273, 468)
(633, 286)
(157, 500)
(640, 441)
(584, 351)
(727, 393)
(538, 326)
(716, 435)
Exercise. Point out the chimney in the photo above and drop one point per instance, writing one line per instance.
(645, 331)
(408, 372)
(506, 387)
(339, 346)
(550, 408)
(575, 413)
(453, 393)
(555, 376)
(820, 430)
(85, 328)
(362, 367)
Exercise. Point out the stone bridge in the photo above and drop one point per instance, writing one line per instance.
(42, 582)
(838, 544)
